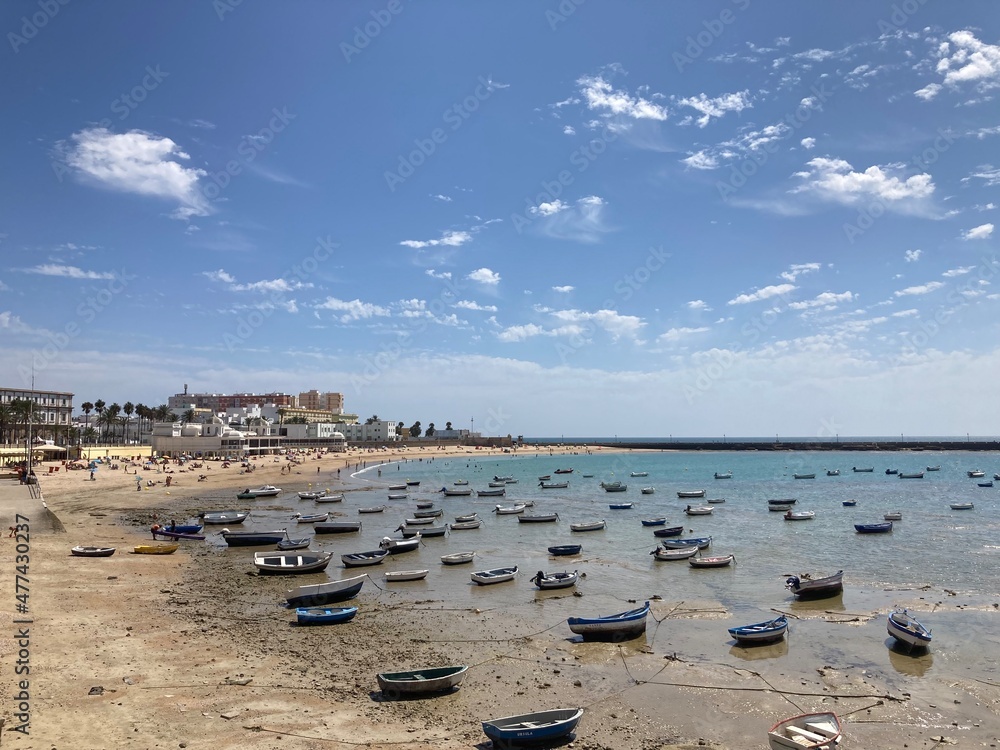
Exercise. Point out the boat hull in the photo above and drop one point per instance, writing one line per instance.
(906, 629)
(622, 626)
(811, 731)
(761, 632)
(320, 594)
(92, 551)
(421, 681)
(541, 727)
(324, 616)
(270, 563)
(819, 588)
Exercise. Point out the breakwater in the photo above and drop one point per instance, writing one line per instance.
(723, 444)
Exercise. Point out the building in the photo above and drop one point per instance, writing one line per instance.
(220, 402)
(380, 431)
(51, 411)
(331, 402)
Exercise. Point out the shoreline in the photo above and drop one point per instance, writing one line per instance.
(171, 640)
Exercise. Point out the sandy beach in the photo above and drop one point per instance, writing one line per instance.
(194, 650)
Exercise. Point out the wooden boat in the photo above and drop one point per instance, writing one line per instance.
(873, 528)
(419, 521)
(311, 517)
(267, 490)
(155, 549)
(699, 510)
(714, 561)
(397, 487)
(911, 475)
(553, 485)
(397, 576)
(319, 594)
(782, 501)
(160, 533)
(504, 479)
(460, 482)
(621, 506)
(717, 500)
(962, 506)
(806, 732)
(563, 550)
(538, 728)
(588, 525)
(310, 495)
(399, 546)
(464, 492)
(437, 513)
(683, 494)
(409, 531)
(457, 558)
(545, 477)
(892, 471)
(275, 563)
(908, 630)
(497, 483)
(502, 492)
(92, 551)
(466, 525)
(289, 544)
(619, 626)
(252, 538)
(563, 580)
(183, 528)
(376, 509)
(833, 472)
(800, 515)
(761, 632)
(425, 504)
(669, 531)
(647, 490)
(467, 517)
(932, 468)
(224, 517)
(338, 498)
(976, 473)
(659, 521)
(362, 559)
(850, 503)
(859, 470)
(803, 476)
(614, 486)
(510, 480)
(724, 475)
(806, 587)
(893, 516)
(639, 474)
(324, 615)
(701, 542)
(501, 510)
(337, 527)
(538, 518)
(496, 575)
(397, 495)
(779, 507)
(985, 484)
(667, 554)
(421, 681)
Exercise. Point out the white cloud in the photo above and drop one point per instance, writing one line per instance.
(68, 272)
(905, 313)
(582, 221)
(697, 304)
(826, 300)
(765, 293)
(520, 333)
(139, 163)
(701, 160)
(444, 275)
(927, 288)
(563, 289)
(808, 143)
(988, 174)
(569, 130)
(353, 309)
(912, 256)
(799, 269)
(271, 285)
(450, 239)
(674, 334)
(440, 197)
(716, 106)
(928, 92)
(548, 209)
(13, 324)
(601, 95)
(470, 305)
(966, 59)
(960, 271)
(484, 276)
(982, 232)
(611, 321)
(836, 180)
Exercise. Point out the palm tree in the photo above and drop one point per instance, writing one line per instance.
(87, 408)
(112, 413)
(99, 408)
(163, 413)
(6, 417)
(372, 419)
(129, 409)
(141, 413)
(430, 430)
(89, 434)
(189, 416)
(447, 426)
(21, 409)
(415, 430)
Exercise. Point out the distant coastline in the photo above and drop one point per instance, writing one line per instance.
(782, 444)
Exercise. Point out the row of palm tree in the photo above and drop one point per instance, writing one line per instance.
(114, 421)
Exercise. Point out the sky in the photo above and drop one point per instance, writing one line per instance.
(533, 218)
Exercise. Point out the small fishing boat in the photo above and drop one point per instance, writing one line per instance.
(397, 487)
(761, 632)
(660, 521)
(714, 561)
(614, 486)
(906, 629)
(563, 580)
(376, 509)
(699, 510)
(362, 559)
(647, 490)
(782, 501)
(724, 475)
(800, 515)
(324, 615)
(621, 506)
(183, 528)
(246, 495)
(408, 531)
(252, 538)
(421, 681)
(538, 518)
(895, 515)
(849, 503)
(501, 510)
(588, 525)
(833, 472)
(412, 482)
(224, 517)
(435, 513)
(563, 550)
(289, 544)
(497, 483)
(622, 625)
(425, 504)
(700, 542)
(892, 471)
(464, 492)
(911, 475)
(538, 728)
(502, 492)
(155, 549)
(274, 563)
(495, 575)
(311, 517)
(683, 494)
(467, 517)
(860, 470)
(544, 477)
(504, 479)
(808, 731)
(457, 558)
(397, 576)
(553, 485)
(319, 594)
(976, 473)
(310, 494)
(328, 498)
(806, 587)
(419, 521)
(92, 551)
(985, 484)
(667, 554)
(779, 507)
(466, 525)
(717, 500)
(337, 527)
(399, 546)
(996, 477)
(267, 490)
(397, 495)
(639, 474)
(803, 476)
(932, 468)
(162, 533)
(563, 471)
(873, 528)
(962, 506)
(460, 482)
(669, 531)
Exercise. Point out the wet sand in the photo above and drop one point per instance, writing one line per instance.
(195, 650)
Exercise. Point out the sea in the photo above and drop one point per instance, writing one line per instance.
(935, 559)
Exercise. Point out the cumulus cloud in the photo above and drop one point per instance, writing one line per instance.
(960, 271)
(600, 95)
(582, 221)
(836, 180)
(697, 304)
(611, 321)
(928, 92)
(484, 276)
(674, 334)
(799, 269)
(761, 294)
(912, 256)
(353, 309)
(470, 305)
(927, 288)
(826, 300)
(982, 232)
(449, 239)
(444, 275)
(716, 106)
(548, 209)
(964, 59)
(808, 143)
(701, 160)
(68, 272)
(563, 289)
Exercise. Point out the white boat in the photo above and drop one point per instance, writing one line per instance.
(409, 531)
(457, 558)
(562, 580)
(376, 509)
(319, 594)
(311, 518)
(962, 506)
(893, 516)
(811, 731)
(538, 518)
(419, 521)
(282, 563)
(495, 575)
(683, 553)
(339, 498)
(639, 474)
(397, 487)
(465, 492)
(690, 493)
(699, 510)
(395, 576)
(361, 559)
(466, 525)
(467, 517)
(800, 515)
(266, 490)
(502, 492)
(398, 546)
(713, 561)
(647, 490)
(588, 525)
(906, 629)
(310, 495)
(397, 495)
(623, 625)
(502, 510)
(224, 517)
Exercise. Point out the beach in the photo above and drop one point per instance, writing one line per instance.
(195, 650)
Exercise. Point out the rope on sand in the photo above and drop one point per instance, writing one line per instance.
(366, 743)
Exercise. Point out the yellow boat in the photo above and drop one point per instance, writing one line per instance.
(155, 549)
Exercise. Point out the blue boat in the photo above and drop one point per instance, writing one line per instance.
(873, 528)
(620, 626)
(540, 727)
(661, 521)
(700, 541)
(621, 506)
(559, 550)
(183, 528)
(168, 534)
(850, 503)
(761, 632)
(324, 615)
(669, 531)
(907, 629)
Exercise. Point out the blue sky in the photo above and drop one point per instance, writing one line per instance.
(552, 218)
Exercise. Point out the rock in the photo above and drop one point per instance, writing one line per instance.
(228, 715)
(97, 690)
